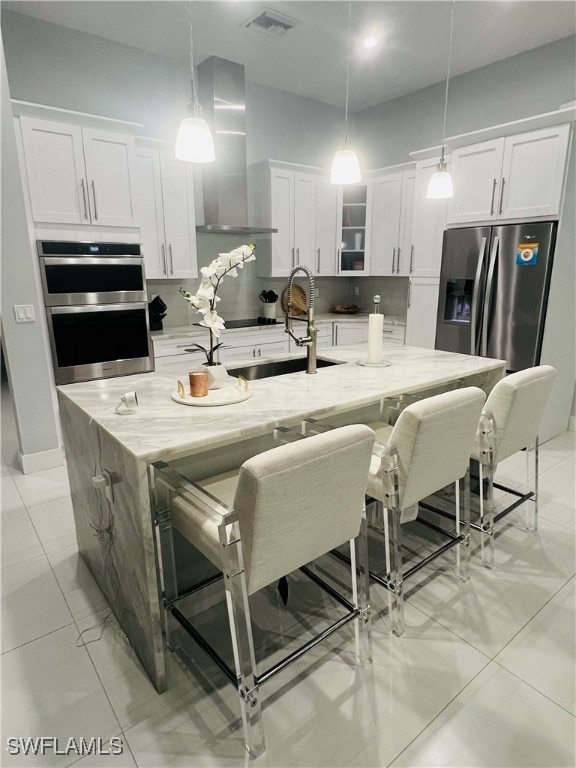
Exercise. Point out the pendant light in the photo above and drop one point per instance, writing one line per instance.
(345, 166)
(440, 184)
(194, 142)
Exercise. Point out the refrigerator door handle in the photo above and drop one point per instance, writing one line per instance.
(474, 310)
(488, 297)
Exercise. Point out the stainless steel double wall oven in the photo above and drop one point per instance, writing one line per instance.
(97, 309)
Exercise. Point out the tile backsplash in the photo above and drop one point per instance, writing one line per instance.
(239, 295)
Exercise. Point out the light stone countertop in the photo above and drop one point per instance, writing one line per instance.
(164, 429)
(183, 331)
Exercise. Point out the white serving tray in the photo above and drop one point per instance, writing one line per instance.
(227, 395)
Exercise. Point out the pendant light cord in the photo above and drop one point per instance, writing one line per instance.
(192, 76)
(448, 77)
(347, 72)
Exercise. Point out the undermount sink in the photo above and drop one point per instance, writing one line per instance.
(275, 368)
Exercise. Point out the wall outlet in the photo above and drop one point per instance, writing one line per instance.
(356, 290)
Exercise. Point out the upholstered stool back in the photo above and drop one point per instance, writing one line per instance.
(298, 501)
(433, 438)
(517, 405)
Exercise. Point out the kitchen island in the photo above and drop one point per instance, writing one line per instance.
(109, 455)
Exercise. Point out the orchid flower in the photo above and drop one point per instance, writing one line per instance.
(205, 299)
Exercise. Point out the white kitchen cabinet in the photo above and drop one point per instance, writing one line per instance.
(250, 351)
(422, 309)
(475, 175)
(78, 175)
(391, 227)
(261, 343)
(300, 203)
(350, 333)
(165, 213)
(354, 212)
(512, 177)
(428, 225)
(326, 227)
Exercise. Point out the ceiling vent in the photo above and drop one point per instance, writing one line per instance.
(271, 23)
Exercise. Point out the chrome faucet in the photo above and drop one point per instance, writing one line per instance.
(309, 341)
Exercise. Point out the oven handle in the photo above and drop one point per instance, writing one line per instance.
(74, 261)
(97, 308)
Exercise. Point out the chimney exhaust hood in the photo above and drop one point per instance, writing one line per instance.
(225, 183)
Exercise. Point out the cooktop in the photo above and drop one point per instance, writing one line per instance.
(249, 323)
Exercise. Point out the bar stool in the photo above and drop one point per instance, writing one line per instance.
(426, 450)
(510, 422)
(282, 509)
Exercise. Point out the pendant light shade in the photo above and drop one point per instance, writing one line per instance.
(440, 186)
(346, 166)
(194, 142)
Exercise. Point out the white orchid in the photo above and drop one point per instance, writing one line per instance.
(205, 299)
(214, 322)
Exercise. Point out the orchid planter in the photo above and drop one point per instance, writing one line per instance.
(205, 299)
(217, 375)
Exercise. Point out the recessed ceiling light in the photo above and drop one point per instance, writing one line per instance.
(370, 42)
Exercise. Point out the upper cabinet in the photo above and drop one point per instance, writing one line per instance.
(164, 200)
(326, 226)
(391, 227)
(78, 175)
(518, 176)
(301, 204)
(429, 223)
(354, 211)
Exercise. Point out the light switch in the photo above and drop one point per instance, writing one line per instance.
(24, 313)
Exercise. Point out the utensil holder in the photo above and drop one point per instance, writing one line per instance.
(270, 311)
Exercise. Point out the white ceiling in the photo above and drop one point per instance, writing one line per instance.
(310, 59)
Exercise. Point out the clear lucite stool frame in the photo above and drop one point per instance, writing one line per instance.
(487, 469)
(246, 676)
(386, 520)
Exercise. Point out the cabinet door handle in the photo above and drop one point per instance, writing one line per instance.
(293, 258)
(335, 335)
(409, 294)
(501, 196)
(339, 252)
(94, 196)
(163, 251)
(393, 260)
(84, 199)
(297, 255)
(170, 256)
(398, 260)
(411, 258)
(493, 194)
(318, 261)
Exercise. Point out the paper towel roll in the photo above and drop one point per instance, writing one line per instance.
(375, 328)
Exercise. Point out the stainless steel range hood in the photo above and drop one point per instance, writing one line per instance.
(225, 185)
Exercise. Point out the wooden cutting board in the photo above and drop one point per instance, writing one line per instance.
(299, 301)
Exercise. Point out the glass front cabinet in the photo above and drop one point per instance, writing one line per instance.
(354, 217)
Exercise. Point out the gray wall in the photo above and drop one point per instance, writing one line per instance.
(27, 354)
(50, 64)
(528, 84)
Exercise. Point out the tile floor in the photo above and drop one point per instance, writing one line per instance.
(483, 676)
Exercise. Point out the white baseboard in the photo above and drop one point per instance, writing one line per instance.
(37, 462)
(572, 423)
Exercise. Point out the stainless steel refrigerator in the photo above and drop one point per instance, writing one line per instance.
(494, 284)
